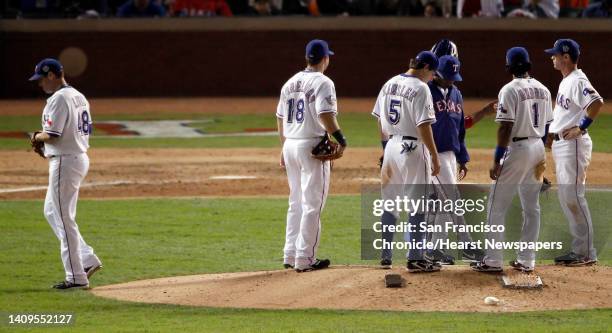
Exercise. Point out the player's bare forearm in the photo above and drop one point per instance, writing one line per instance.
(329, 121)
(487, 109)
(427, 136)
(43, 137)
(503, 140)
(279, 126)
(576, 131)
(503, 133)
(594, 109)
(383, 135)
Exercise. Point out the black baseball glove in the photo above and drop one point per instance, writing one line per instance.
(326, 150)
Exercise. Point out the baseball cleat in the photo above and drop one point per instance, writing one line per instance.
(440, 257)
(424, 266)
(574, 260)
(385, 264)
(287, 266)
(480, 266)
(69, 285)
(584, 262)
(472, 255)
(91, 270)
(520, 267)
(318, 264)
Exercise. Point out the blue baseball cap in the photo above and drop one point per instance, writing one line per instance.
(317, 49)
(45, 66)
(445, 47)
(517, 56)
(427, 57)
(565, 45)
(448, 68)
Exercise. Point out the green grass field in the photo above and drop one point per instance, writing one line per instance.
(154, 238)
(359, 128)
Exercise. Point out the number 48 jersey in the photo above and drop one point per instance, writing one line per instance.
(303, 98)
(67, 117)
(526, 103)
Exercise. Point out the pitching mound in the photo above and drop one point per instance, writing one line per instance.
(362, 288)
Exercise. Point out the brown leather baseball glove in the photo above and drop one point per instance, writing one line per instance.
(37, 146)
(326, 150)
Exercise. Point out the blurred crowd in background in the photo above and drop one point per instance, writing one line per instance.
(84, 9)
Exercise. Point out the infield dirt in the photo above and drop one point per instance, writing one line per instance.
(455, 288)
(116, 173)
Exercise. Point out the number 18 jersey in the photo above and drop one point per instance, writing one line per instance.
(303, 98)
(67, 117)
(526, 103)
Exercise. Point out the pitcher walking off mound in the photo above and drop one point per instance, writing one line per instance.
(66, 124)
(306, 113)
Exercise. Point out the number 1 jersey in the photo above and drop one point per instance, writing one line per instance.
(526, 103)
(306, 96)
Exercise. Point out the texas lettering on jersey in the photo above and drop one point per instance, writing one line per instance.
(448, 106)
(574, 97)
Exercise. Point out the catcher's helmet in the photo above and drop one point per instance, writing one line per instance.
(445, 47)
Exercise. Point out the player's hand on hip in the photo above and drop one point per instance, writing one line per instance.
(435, 165)
(495, 171)
(463, 170)
(282, 160)
(572, 133)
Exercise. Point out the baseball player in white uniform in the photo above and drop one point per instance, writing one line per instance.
(524, 113)
(66, 126)
(578, 103)
(405, 112)
(306, 112)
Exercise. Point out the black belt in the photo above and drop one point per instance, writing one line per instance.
(405, 137)
(556, 136)
(516, 138)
